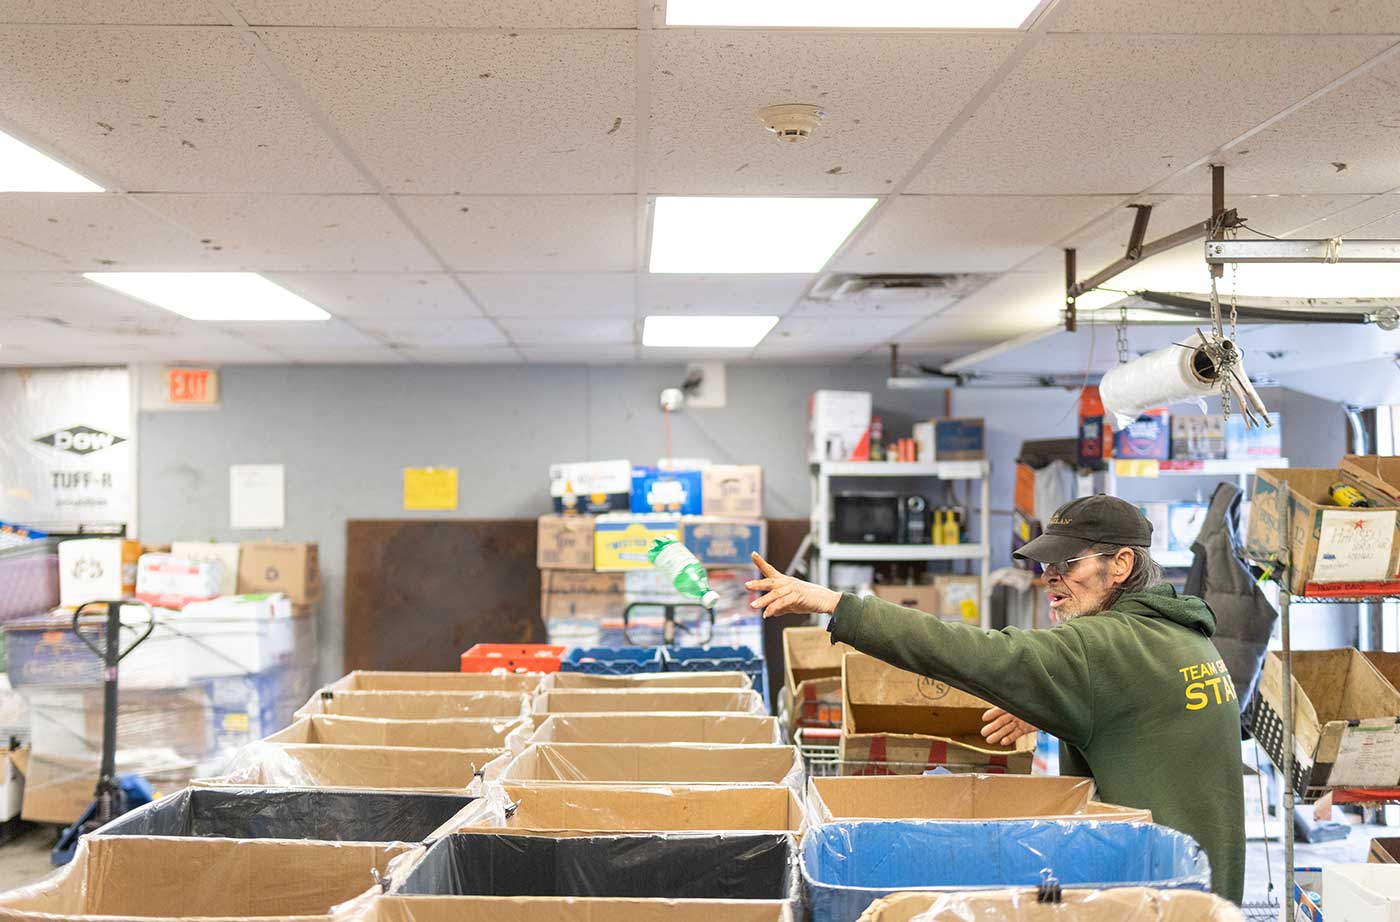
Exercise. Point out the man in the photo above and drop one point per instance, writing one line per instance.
(1128, 679)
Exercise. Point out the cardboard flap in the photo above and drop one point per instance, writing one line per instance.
(878, 698)
(808, 653)
(419, 705)
(371, 680)
(699, 727)
(1380, 474)
(595, 701)
(693, 764)
(948, 797)
(653, 681)
(448, 733)
(403, 767)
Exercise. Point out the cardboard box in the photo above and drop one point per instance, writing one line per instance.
(1384, 850)
(732, 491)
(226, 554)
(666, 763)
(646, 681)
(1024, 497)
(1124, 904)
(1345, 721)
(1327, 544)
(961, 797)
(920, 598)
(725, 542)
(838, 426)
(621, 542)
(575, 594)
(409, 705)
(591, 487)
(96, 570)
(908, 723)
(390, 768)
(565, 542)
(585, 809)
(447, 733)
(191, 878)
(373, 680)
(57, 789)
(609, 701)
(1361, 892)
(569, 909)
(665, 491)
(1243, 443)
(811, 678)
(167, 581)
(732, 729)
(291, 568)
(958, 440)
(959, 597)
(1198, 438)
(1379, 475)
(1148, 436)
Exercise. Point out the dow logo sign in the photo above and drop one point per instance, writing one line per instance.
(80, 440)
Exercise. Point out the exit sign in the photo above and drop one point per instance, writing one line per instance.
(192, 385)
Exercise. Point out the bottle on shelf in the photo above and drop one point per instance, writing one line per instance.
(684, 570)
(877, 439)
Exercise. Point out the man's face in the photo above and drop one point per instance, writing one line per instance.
(1079, 587)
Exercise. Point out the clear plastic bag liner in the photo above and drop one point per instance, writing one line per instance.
(153, 877)
(676, 763)
(261, 813)
(656, 681)
(446, 733)
(502, 681)
(960, 797)
(846, 866)
(570, 809)
(556, 909)
(420, 705)
(401, 767)
(699, 727)
(750, 866)
(1128, 904)
(612, 701)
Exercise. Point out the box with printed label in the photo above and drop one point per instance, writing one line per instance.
(1148, 436)
(1198, 438)
(575, 594)
(226, 554)
(167, 581)
(724, 542)
(838, 426)
(621, 542)
(655, 490)
(290, 568)
(565, 542)
(959, 440)
(591, 487)
(96, 570)
(733, 490)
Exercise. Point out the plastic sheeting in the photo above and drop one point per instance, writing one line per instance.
(420, 705)
(846, 866)
(671, 866)
(960, 797)
(734, 729)
(664, 762)
(1129, 904)
(557, 909)
(447, 733)
(260, 813)
(614, 701)
(397, 768)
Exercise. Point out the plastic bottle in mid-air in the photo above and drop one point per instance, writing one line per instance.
(685, 572)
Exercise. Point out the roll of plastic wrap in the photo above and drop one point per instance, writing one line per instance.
(1177, 373)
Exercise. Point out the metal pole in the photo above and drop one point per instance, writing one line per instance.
(1217, 210)
(1071, 270)
(106, 780)
(1284, 598)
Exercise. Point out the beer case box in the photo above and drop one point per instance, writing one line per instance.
(1326, 543)
(907, 723)
(962, 439)
(732, 491)
(621, 542)
(565, 542)
(1198, 438)
(225, 553)
(290, 568)
(1258, 444)
(1147, 437)
(575, 594)
(838, 426)
(720, 542)
(666, 491)
(591, 487)
(96, 570)
(920, 598)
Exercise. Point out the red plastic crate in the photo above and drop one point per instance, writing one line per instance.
(513, 657)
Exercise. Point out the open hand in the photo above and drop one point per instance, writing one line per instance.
(787, 595)
(1001, 728)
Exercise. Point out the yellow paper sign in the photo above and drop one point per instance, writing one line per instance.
(1135, 467)
(430, 488)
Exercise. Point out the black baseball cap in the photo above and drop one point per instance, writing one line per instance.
(1090, 520)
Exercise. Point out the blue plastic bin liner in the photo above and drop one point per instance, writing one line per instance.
(721, 659)
(609, 661)
(847, 866)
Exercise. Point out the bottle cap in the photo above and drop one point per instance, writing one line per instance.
(710, 599)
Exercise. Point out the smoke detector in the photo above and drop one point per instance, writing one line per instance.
(793, 121)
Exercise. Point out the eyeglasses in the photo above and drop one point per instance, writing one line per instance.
(1063, 567)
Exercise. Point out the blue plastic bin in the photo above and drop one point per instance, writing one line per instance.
(847, 866)
(721, 659)
(609, 661)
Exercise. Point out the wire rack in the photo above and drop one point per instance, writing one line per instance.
(1261, 912)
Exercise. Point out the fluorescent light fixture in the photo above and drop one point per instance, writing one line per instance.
(24, 169)
(689, 332)
(853, 14)
(711, 234)
(223, 296)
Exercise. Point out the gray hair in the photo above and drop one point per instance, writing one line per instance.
(1145, 573)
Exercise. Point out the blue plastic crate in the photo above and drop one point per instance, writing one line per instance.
(721, 659)
(847, 866)
(610, 661)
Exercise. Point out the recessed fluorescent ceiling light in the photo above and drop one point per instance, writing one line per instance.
(852, 14)
(760, 235)
(667, 331)
(24, 169)
(225, 296)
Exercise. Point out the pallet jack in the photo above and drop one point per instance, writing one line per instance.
(115, 794)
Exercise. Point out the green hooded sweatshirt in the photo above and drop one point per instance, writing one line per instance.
(1137, 694)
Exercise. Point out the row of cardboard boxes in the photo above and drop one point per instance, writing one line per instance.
(613, 543)
(604, 811)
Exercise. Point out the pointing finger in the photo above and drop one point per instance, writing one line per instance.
(764, 567)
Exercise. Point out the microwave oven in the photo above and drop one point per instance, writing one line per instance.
(868, 517)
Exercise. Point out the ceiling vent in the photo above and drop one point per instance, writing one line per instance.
(868, 288)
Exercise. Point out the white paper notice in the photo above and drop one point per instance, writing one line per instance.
(1354, 545)
(257, 496)
(1369, 755)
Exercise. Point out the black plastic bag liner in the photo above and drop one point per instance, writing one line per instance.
(665, 866)
(264, 813)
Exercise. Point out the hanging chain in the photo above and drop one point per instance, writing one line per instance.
(1234, 233)
(1123, 335)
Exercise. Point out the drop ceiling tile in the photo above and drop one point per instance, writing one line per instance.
(793, 353)
(721, 294)
(435, 355)
(1240, 16)
(593, 355)
(366, 355)
(539, 331)
(852, 310)
(676, 357)
(977, 233)
(189, 110)
(91, 232)
(887, 97)
(124, 12)
(381, 295)
(520, 294)
(1089, 114)
(474, 14)
(297, 232)
(472, 333)
(476, 112)
(65, 297)
(855, 332)
(320, 334)
(953, 332)
(549, 233)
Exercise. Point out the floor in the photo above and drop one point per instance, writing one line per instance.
(26, 858)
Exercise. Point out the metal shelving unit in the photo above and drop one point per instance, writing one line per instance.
(825, 551)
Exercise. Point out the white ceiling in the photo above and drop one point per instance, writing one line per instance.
(470, 182)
